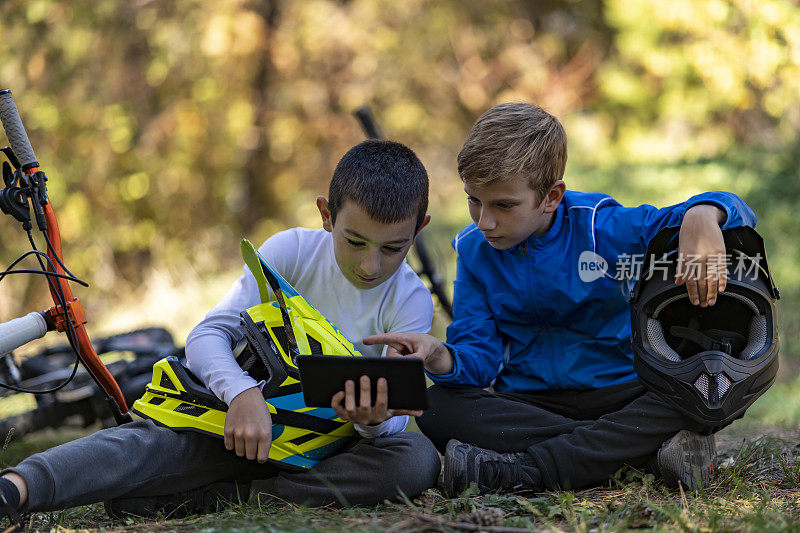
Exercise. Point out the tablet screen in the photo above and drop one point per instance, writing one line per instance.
(322, 376)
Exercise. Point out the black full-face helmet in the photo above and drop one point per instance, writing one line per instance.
(711, 362)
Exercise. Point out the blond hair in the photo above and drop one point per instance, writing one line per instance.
(512, 140)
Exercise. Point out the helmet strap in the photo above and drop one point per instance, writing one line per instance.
(722, 341)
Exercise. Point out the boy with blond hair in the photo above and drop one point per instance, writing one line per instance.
(565, 408)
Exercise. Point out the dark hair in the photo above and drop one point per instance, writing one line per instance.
(384, 178)
(514, 140)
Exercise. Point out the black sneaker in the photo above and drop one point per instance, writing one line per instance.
(465, 463)
(686, 458)
(209, 498)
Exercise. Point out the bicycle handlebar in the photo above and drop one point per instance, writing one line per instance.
(59, 288)
(15, 131)
(22, 330)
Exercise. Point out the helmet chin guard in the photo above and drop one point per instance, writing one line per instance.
(710, 363)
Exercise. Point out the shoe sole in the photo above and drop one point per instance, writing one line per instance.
(687, 459)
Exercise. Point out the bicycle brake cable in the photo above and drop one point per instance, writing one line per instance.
(68, 310)
(49, 274)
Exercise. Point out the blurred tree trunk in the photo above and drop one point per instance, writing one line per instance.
(256, 172)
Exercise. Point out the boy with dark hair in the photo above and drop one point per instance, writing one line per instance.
(566, 408)
(354, 272)
(367, 174)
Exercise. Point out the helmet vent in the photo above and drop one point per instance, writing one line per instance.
(156, 400)
(166, 383)
(702, 384)
(723, 383)
(302, 439)
(280, 336)
(191, 410)
(314, 344)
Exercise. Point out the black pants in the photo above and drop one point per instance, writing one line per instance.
(576, 439)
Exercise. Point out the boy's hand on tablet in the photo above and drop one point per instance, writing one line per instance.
(702, 264)
(435, 356)
(356, 405)
(248, 426)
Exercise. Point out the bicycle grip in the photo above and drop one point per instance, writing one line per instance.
(15, 131)
(20, 331)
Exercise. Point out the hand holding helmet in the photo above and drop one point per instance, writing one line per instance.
(248, 426)
(701, 255)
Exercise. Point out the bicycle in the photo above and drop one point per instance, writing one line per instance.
(128, 356)
(24, 197)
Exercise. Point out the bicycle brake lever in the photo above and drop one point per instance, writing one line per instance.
(9, 177)
(38, 195)
(11, 156)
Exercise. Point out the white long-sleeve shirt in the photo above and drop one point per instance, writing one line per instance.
(304, 257)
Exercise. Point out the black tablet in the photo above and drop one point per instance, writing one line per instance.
(322, 376)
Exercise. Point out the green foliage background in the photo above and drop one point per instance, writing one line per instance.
(169, 130)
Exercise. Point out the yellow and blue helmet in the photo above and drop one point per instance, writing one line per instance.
(275, 331)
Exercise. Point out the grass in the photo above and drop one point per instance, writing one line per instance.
(756, 488)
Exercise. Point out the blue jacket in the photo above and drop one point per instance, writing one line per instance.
(528, 319)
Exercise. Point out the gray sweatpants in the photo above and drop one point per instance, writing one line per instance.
(143, 459)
